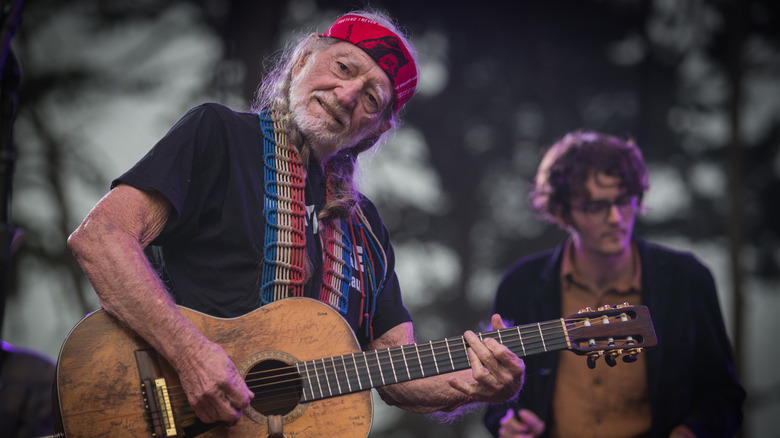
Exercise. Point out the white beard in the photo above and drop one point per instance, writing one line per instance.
(318, 131)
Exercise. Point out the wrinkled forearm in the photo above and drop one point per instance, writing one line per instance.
(422, 396)
(109, 248)
(428, 395)
(129, 289)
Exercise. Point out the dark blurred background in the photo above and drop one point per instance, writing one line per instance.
(696, 83)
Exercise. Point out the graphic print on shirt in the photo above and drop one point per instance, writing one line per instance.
(357, 260)
(357, 255)
(311, 218)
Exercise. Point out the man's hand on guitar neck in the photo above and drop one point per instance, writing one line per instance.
(496, 375)
(497, 372)
(213, 385)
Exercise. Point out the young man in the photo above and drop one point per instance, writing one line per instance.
(231, 211)
(592, 185)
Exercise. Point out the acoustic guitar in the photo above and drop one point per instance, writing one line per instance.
(303, 363)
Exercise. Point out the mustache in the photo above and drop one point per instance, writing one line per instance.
(332, 106)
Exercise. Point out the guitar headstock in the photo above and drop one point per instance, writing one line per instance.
(611, 331)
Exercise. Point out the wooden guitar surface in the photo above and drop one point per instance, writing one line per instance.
(99, 385)
(303, 363)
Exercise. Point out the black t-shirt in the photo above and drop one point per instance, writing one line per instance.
(209, 166)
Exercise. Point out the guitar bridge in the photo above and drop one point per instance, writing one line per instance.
(156, 398)
(161, 393)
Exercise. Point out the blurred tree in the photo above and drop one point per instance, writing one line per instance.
(88, 67)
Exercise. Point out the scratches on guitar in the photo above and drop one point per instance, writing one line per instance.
(303, 363)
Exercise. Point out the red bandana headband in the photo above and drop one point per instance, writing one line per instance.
(384, 47)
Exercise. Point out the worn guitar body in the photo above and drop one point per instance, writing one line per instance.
(99, 374)
(303, 364)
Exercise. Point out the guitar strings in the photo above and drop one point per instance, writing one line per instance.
(331, 369)
(363, 362)
(266, 383)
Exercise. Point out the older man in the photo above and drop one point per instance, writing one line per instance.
(234, 210)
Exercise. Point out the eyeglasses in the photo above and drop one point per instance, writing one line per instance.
(601, 209)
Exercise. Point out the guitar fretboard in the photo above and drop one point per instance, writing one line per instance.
(338, 375)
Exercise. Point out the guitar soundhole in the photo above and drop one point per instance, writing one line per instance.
(277, 387)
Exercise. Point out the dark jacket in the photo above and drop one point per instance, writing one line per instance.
(691, 374)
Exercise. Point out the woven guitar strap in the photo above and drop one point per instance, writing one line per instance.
(284, 211)
(284, 246)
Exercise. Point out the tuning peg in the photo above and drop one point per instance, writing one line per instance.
(610, 357)
(592, 357)
(604, 307)
(631, 354)
(585, 310)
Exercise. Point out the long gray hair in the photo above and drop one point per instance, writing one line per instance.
(274, 94)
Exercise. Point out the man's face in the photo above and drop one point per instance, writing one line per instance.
(337, 98)
(604, 222)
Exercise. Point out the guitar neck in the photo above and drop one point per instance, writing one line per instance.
(102, 355)
(337, 375)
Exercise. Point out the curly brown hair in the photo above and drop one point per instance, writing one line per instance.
(569, 162)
